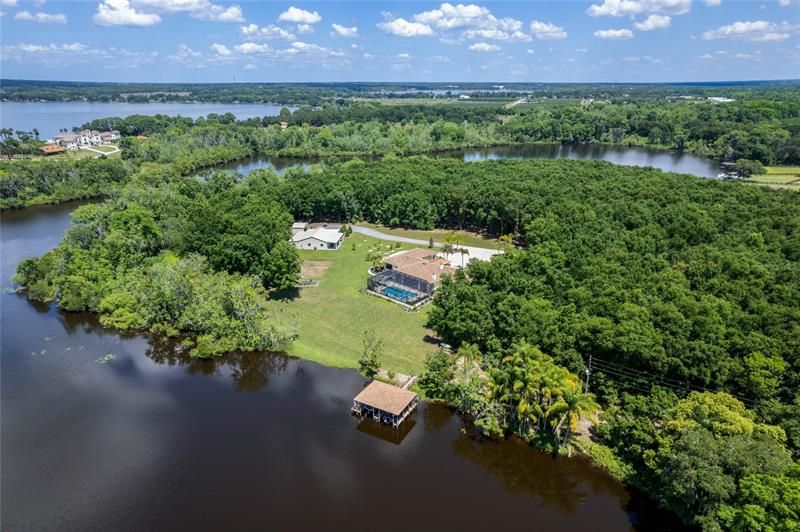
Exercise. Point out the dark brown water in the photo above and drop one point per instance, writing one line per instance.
(664, 160)
(154, 440)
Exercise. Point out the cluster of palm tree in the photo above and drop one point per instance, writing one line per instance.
(538, 397)
(27, 142)
(454, 243)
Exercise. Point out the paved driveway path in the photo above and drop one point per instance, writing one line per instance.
(456, 258)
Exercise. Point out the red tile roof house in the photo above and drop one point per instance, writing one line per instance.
(51, 149)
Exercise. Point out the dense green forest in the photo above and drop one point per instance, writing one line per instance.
(765, 131)
(684, 292)
(192, 257)
(317, 93)
(24, 183)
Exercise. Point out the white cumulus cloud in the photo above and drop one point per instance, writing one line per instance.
(344, 31)
(44, 18)
(252, 48)
(299, 16)
(622, 8)
(221, 49)
(484, 47)
(547, 30)
(254, 32)
(498, 35)
(654, 22)
(756, 30)
(120, 13)
(621, 34)
(220, 14)
(403, 28)
(712, 3)
(199, 9)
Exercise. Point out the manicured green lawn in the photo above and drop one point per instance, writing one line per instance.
(333, 316)
(787, 177)
(107, 148)
(468, 239)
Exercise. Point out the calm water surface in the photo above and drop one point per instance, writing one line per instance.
(154, 440)
(49, 117)
(661, 159)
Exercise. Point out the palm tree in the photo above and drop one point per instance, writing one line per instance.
(450, 243)
(576, 405)
(463, 251)
(470, 355)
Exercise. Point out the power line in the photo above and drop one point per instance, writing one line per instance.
(648, 378)
(635, 374)
(660, 377)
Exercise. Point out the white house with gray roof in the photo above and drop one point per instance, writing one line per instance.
(320, 238)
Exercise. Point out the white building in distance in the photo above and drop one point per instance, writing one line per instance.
(320, 238)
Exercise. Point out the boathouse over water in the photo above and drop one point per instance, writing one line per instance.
(385, 403)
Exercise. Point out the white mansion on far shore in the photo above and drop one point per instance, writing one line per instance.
(73, 141)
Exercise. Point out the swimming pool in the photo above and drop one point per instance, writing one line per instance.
(399, 294)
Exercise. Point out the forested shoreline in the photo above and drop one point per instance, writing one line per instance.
(767, 132)
(684, 291)
(319, 93)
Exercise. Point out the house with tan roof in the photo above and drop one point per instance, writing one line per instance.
(410, 277)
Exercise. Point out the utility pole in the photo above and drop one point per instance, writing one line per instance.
(588, 372)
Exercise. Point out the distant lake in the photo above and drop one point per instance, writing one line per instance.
(668, 161)
(49, 117)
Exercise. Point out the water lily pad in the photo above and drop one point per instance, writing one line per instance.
(105, 358)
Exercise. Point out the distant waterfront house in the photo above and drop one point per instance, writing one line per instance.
(68, 141)
(320, 238)
(90, 138)
(410, 277)
(50, 149)
(107, 137)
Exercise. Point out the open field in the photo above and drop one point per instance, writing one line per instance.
(333, 316)
(468, 238)
(784, 177)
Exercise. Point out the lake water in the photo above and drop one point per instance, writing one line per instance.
(661, 159)
(155, 440)
(49, 117)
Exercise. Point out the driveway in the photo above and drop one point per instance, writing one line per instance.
(455, 258)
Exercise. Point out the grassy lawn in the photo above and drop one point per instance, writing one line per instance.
(107, 148)
(333, 316)
(468, 238)
(785, 177)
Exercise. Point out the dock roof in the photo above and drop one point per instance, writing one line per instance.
(385, 397)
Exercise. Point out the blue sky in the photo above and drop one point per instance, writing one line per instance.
(220, 41)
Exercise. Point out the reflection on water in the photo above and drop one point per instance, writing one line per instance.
(384, 431)
(157, 440)
(661, 159)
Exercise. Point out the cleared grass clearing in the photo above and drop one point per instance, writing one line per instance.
(333, 316)
(783, 177)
